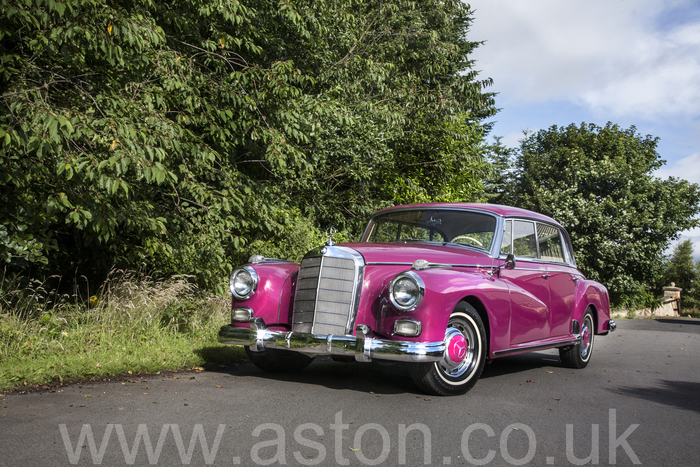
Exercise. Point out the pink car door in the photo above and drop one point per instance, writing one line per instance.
(528, 283)
(562, 277)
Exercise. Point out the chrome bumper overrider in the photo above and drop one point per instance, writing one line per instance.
(612, 326)
(362, 347)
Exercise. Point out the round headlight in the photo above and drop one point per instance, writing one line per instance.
(406, 291)
(243, 282)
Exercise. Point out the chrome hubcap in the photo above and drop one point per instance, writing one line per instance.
(460, 351)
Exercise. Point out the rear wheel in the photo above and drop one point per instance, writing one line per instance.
(465, 353)
(578, 356)
(279, 361)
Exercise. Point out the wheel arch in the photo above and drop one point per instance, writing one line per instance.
(594, 311)
(484, 315)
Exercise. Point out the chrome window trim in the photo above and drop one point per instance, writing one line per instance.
(503, 232)
(542, 261)
(569, 248)
(496, 247)
(537, 245)
(495, 251)
(561, 240)
(564, 235)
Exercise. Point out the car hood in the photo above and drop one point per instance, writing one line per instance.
(394, 253)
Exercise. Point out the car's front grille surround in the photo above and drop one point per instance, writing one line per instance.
(328, 291)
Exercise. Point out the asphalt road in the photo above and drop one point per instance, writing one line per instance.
(638, 401)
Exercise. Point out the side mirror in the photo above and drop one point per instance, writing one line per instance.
(509, 264)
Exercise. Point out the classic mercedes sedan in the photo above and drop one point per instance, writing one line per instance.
(442, 287)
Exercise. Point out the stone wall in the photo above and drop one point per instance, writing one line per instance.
(672, 302)
(670, 306)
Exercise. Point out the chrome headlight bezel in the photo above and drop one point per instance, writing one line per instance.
(243, 294)
(397, 287)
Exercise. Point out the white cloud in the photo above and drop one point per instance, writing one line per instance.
(633, 61)
(616, 58)
(512, 140)
(687, 168)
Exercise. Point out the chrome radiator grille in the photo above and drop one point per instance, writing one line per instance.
(327, 292)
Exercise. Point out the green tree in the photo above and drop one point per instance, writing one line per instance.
(180, 134)
(679, 268)
(599, 183)
(500, 159)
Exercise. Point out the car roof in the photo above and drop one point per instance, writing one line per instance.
(498, 209)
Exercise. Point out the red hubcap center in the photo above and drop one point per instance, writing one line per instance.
(457, 348)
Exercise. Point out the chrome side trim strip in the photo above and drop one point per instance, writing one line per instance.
(363, 347)
(391, 263)
(531, 348)
(259, 259)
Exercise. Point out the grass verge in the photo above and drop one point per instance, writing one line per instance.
(133, 324)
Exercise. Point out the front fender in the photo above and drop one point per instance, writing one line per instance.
(444, 289)
(273, 299)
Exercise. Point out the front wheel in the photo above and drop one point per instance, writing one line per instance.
(460, 368)
(578, 356)
(279, 361)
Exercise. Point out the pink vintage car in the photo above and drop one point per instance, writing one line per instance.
(443, 287)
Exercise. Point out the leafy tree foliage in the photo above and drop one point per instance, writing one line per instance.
(500, 159)
(179, 134)
(599, 183)
(681, 270)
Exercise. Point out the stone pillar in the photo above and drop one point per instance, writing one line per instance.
(672, 302)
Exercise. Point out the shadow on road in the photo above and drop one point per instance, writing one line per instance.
(680, 394)
(695, 322)
(520, 363)
(364, 377)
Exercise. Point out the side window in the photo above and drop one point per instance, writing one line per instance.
(524, 239)
(550, 243)
(507, 237)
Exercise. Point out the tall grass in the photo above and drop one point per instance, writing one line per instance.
(131, 323)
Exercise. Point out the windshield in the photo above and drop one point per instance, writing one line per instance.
(444, 226)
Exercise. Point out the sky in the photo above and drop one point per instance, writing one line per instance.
(630, 62)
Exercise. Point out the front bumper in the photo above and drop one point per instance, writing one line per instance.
(362, 347)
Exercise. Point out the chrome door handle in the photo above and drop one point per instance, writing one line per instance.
(546, 276)
(575, 278)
